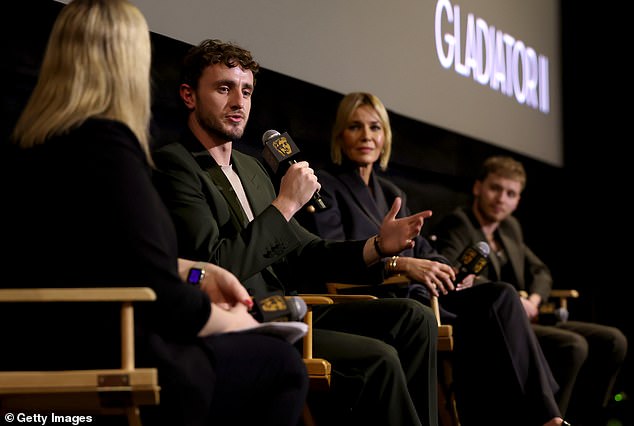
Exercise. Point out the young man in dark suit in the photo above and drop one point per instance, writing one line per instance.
(585, 358)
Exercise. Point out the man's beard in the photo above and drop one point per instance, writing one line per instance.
(216, 128)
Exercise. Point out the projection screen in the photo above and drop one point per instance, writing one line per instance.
(486, 69)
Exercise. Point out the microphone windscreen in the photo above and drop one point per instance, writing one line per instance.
(300, 309)
(472, 260)
(269, 134)
(483, 248)
(279, 308)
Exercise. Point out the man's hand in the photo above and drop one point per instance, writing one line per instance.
(297, 187)
(532, 310)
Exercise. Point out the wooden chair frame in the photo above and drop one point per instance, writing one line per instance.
(109, 391)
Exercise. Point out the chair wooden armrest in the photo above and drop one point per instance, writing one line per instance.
(549, 306)
(341, 298)
(394, 281)
(107, 391)
(563, 295)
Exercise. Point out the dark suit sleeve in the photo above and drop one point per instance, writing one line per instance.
(453, 234)
(537, 276)
(328, 224)
(207, 228)
(423, 249)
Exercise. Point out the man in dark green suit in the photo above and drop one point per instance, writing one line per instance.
(226, 211)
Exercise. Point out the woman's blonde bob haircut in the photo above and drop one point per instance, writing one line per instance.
(347, 106)
(97, 64)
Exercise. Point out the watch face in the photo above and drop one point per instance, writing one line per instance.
(195, 275)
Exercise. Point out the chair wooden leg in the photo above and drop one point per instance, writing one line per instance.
(134, 416)
(448, 413)
(307, 417)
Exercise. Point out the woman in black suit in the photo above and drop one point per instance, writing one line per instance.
(499, 367)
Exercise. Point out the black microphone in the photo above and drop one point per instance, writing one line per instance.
(472, 260)
(279, 153)
(279, 308)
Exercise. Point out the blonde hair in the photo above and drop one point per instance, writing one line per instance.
(347, 106)
(97, 64)
(504, 166)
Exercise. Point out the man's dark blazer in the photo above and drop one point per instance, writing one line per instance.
(266, 254)
(461, 229)
(567, 345)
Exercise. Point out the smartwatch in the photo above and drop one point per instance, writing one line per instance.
(196, 275)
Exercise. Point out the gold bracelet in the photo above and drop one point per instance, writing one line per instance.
(391, 266)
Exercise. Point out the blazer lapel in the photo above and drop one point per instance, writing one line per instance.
(514, 254)
(220, 181)
(250, 182)
(362, 196)
(494, 262)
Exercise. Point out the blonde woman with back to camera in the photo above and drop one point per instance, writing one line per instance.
(84, 212)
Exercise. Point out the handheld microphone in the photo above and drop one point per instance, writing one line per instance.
(472, 260)
(279, 308)
(279, 152)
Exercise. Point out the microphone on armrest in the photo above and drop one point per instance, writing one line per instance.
(279, 308)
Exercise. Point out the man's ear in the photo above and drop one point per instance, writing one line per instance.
(187, 95)
(477, 188)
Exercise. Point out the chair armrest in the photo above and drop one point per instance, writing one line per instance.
(317, 299)
(124, 295)
(89, 294)
(395, 282)
(565, 293)
(339, 298)
(397, 279)
(107, 391)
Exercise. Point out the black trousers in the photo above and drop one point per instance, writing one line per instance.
(228, 379)
(501, 376)
(383, 354)
(585, 359)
